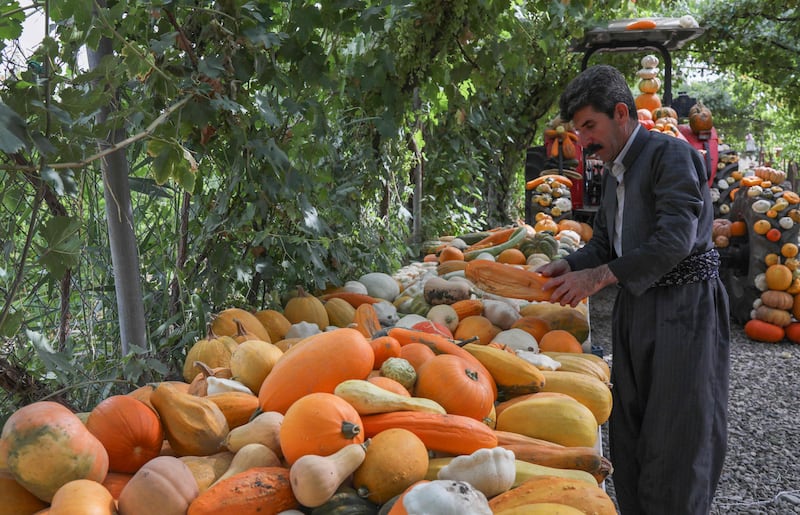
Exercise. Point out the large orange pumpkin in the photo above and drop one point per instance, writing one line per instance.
(316, 364)
(319, 423)
(457, 386)
(48, 446)
(129, 430)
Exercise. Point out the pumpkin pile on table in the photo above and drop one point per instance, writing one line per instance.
(763, 211)
(451, 386)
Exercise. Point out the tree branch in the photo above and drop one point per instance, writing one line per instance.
(111, 149)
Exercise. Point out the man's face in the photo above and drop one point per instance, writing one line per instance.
(600, 135)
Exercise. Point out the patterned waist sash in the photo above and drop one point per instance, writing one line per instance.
(695, 268)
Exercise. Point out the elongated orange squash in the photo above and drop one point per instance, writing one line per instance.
(641, 25)
(454, 434)
(507, 280)
(256, 491)
(316, 364)
(352, 298)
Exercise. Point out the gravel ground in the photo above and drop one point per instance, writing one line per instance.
(761, 475)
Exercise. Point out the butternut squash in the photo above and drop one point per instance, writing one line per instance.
(315, 479)
(206, 469)
(249, 456)
(368, 398)
(265, 429)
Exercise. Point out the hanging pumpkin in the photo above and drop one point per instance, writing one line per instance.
(700, 119)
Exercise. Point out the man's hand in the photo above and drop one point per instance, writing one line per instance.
(572, 287)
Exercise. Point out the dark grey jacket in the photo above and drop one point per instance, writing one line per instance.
(668, 213)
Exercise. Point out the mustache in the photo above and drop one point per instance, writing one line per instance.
(594, 147)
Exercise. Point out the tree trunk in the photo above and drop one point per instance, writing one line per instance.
(119, 216)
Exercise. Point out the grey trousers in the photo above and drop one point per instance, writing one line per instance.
(668, 425)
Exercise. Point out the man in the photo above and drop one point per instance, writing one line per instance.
(670, 332)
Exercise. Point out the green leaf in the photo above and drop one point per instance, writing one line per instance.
(13, 133)
(63, 244)
(10, 326)
(54, 361)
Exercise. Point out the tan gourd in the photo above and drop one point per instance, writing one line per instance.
(194, 426)
(252, 360)
(206, 469)
(264, 429)
(368, 398)
(249, 456)
(315, 478)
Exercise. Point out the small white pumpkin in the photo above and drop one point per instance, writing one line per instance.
(445, 497)
(492, 471)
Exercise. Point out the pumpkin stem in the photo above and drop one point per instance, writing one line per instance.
(240, 330)
(471, 339)
(472, 374)
(362, 492)
(204, 369)
(350, 430)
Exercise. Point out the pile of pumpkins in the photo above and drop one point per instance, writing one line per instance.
(451, 386)
(760, 210)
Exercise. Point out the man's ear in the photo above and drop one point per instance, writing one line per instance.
(621, 113)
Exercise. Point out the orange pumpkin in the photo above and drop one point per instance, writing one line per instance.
(16, 499)
(476, 326)
(48, 446)
(389, 384)
(83, 497)
(535, 326)
(316, 364)
(512, 256)
(450, 253)
(779, 277)
(700, 118)
(384, 347)
(649, 101)
(129, 430)
(559, 340)
(115, 482)
(455, 385)
(320, 424)
(416, 354)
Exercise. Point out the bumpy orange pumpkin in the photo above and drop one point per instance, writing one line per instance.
(129, 430)
(319, 423)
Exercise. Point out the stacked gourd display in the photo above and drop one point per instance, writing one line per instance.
(452, 386)
(766, 212)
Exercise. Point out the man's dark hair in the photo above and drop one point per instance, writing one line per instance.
(600, 86)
